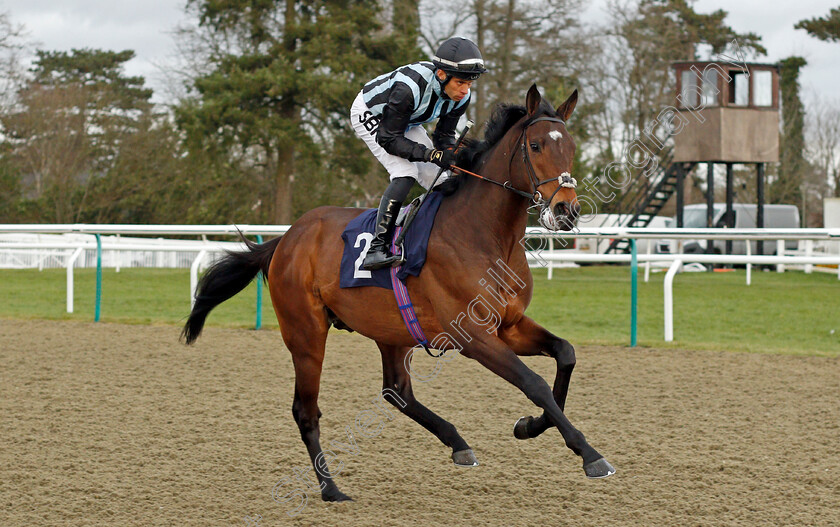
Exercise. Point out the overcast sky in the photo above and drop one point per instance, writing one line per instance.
(145, 26)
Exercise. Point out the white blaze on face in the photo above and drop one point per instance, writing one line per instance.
(554, 134)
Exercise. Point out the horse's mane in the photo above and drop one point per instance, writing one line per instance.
(503, 118)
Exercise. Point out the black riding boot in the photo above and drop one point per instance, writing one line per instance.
(378, 256)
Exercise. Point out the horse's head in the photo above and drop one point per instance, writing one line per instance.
(547, 154)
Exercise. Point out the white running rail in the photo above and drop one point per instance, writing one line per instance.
(537, 257)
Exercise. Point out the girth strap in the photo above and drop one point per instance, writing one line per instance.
(407, 312)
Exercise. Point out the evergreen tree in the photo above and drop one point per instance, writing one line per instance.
(405, 19)
(67, 126)
(824, 28)
(787, 188)
(282, 76)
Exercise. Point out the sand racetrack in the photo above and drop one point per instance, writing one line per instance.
(106, 424)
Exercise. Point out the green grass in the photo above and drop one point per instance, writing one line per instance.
(780, 313)
(134, 296)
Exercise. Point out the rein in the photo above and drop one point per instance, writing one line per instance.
(565, 179)
(505, 185)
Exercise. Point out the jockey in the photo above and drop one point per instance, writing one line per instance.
(387, 115)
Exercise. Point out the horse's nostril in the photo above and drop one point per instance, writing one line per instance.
(561, 209)
(576, 209)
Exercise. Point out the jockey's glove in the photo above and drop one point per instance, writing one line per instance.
(441, 157)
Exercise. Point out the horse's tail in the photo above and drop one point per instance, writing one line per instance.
(224, 279)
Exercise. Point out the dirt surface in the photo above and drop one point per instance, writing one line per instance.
(105, 424)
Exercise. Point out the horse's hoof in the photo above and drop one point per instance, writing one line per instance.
(336, 496)
(465, 458)
(520, 429)
(600, 468)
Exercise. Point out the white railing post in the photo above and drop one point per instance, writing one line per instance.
(117, 255)
(749, 265)
(70, 263)
(158, 256)
(669, 300)
(780, 251)
(647, 264)
(809, 251)
(550, 262)
(39, 256)
(194, 275)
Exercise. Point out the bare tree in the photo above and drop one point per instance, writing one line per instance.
(522, 42)
(823, 143)
(13, 45)
(68, 124)
(51, 146)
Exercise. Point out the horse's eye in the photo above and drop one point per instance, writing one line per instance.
(535, 147)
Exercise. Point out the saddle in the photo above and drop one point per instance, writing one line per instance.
(405, 210)
(359, 232)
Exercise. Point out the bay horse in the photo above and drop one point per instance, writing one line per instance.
(528, 153)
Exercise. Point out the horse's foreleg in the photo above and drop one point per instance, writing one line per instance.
(527, 338)
(501, 360)
(397, 379)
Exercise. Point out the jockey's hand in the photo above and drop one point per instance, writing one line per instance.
(442, 158)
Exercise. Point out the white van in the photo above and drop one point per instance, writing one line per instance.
(775, 217)
(600, 245)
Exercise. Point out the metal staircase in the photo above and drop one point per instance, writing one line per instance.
(648, 199)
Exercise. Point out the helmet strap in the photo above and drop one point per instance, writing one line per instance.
(445, 81)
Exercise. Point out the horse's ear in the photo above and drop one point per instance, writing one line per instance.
(565, 110)
(533, 99)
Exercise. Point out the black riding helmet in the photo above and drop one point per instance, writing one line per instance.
(459, 57)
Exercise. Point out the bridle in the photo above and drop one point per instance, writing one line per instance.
(565, 179)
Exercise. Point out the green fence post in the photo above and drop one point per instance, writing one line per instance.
(258, 323)
(98, 308)
(634, 291)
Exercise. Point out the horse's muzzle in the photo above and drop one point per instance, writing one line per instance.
(565, 215)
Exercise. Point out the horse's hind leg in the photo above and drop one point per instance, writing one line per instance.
(528, 338)
(305, 335)
(397, 380)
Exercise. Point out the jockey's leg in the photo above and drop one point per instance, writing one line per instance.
(389, 207)
(402, 173)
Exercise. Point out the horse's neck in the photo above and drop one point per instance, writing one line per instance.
(494, 218)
